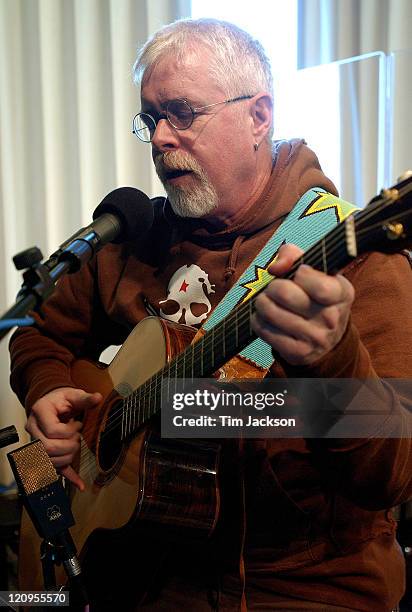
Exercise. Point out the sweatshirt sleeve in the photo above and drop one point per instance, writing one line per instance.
(375, 471)
(72, 324)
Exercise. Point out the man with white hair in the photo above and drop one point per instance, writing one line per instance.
(305, 523)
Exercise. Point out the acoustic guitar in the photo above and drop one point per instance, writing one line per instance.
(133, 476)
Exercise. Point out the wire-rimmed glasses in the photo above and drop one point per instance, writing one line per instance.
(179, 113)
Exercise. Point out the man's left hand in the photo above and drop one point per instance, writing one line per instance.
(304, 318)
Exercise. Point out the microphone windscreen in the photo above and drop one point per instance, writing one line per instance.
(134, 209)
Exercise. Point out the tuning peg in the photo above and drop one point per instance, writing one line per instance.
(404, 175)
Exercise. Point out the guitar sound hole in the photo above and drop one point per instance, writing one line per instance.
(110, 440)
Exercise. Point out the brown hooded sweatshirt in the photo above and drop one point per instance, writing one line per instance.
(314, 520)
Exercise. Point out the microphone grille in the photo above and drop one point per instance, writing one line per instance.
(32, 467)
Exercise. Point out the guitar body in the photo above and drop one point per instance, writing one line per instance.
(147, 478)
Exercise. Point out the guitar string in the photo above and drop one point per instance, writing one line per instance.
(154, 380)
(334, 239)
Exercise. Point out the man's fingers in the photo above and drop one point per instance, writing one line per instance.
(69, 473)
(80, 400)
(323, 289)
(55, 411)
(286, 257)
(287, 294)
(52, 427)
(55, 446)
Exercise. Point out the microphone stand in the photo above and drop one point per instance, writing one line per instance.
(8, 435)
(54, 553)
(40, 278)
(39, 283)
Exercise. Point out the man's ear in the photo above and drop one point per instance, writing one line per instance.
(262, 116)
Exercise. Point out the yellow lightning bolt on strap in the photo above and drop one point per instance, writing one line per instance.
(327, 201)
(263, 278)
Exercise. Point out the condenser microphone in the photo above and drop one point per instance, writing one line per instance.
(46, 501)
(124, 215)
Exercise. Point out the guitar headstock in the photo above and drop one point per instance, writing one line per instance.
(386, 223)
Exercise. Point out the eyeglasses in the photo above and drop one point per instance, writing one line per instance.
(179, 113)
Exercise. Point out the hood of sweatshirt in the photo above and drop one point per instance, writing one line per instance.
(295, 170)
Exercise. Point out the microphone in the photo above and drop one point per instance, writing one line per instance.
(47, 504)
(123, 215)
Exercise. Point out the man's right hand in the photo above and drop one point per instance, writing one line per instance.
(53, 421)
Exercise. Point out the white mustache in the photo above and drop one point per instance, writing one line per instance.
(169, 161)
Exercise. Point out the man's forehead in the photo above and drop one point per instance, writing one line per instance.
(175, 78)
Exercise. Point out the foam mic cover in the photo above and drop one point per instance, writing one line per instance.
(132, 207)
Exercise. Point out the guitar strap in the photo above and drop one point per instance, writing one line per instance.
(312, 217)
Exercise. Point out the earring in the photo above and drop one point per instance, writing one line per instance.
(256, 146)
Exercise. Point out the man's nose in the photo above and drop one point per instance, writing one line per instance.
(165, 136)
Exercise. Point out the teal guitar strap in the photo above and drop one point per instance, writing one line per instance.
(313, 216)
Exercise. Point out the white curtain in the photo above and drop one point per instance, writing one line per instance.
(66, 104)
(331, 30)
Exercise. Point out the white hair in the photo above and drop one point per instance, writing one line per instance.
(238, 64)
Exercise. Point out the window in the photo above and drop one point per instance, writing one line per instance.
(306, 102)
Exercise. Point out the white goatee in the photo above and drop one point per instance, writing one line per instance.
(198, 200)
